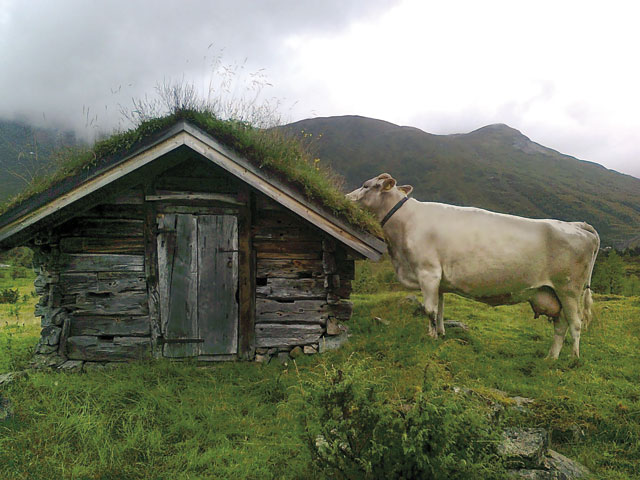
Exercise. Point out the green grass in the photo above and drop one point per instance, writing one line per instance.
(25, 307)
(180, 420)
(19, 328)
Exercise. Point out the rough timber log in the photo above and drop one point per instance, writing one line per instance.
(124, 303)
(103, 245)
(301, 311)
(292, 289)
(288, 268)
(107, 349)
(279, 335)
(102, 227)
(105, 282)
(117, 325)
(104, 263)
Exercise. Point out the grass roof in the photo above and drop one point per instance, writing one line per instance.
(282, 154)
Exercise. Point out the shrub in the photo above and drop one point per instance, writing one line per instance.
(364, 281)
(362, 435)
(8, 295)
(18, 272)
(631, 286)
(608, 274)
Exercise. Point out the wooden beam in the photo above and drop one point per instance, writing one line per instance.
(173, 196)
(100, 349)
(151, 272)
(102, 263)
(120, 325)
(278, 335)
(246, 279)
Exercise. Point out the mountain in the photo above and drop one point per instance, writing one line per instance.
(495, 167)
(27, 151)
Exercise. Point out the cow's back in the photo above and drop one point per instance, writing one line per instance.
(484, 253)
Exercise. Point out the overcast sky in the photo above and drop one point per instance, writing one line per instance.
(565, 73)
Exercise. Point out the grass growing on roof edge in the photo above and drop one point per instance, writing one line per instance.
(284, 155)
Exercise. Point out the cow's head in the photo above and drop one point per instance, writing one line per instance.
(376, 194)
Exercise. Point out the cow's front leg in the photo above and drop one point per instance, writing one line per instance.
(441, 331)
(430, 287)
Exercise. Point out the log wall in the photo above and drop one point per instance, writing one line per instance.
(303, 281)
(97, 273)
(91, 279)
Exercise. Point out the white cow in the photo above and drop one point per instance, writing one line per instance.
(491, 257)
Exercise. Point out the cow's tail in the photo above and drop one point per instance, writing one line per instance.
(587, 298)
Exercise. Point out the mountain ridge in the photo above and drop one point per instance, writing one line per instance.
(495, 167)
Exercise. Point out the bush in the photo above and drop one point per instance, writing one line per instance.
(610, 276)
(437, 434)
(364, 281)
(18, 273)
(8, 295)
(631, 286)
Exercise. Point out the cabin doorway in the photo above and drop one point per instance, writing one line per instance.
(198, 285)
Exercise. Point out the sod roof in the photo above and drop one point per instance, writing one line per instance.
(269, 153)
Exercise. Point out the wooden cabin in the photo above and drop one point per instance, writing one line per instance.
(184, 249)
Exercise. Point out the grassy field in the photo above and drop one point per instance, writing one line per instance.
(239, 420)
(19, 328)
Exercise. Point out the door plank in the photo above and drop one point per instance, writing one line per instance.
(218, 284)
(183, 300)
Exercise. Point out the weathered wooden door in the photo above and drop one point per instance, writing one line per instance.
(198, 283)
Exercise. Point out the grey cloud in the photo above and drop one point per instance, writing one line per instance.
(64, 58)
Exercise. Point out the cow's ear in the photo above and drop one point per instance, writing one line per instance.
(388, 184)
(407, 189)
(382, 176)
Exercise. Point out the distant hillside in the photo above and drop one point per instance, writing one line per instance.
(26, 151)
(495, 167)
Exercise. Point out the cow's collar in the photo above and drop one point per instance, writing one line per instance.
(393, 210)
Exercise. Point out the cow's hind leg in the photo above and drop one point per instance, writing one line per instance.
(569, 318)
(440, 319)
(430, 287)
(560, 331)
(572, 316)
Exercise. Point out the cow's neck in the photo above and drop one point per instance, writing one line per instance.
(394, 228)
(389, 201)
(395, 232)
(393, 210)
